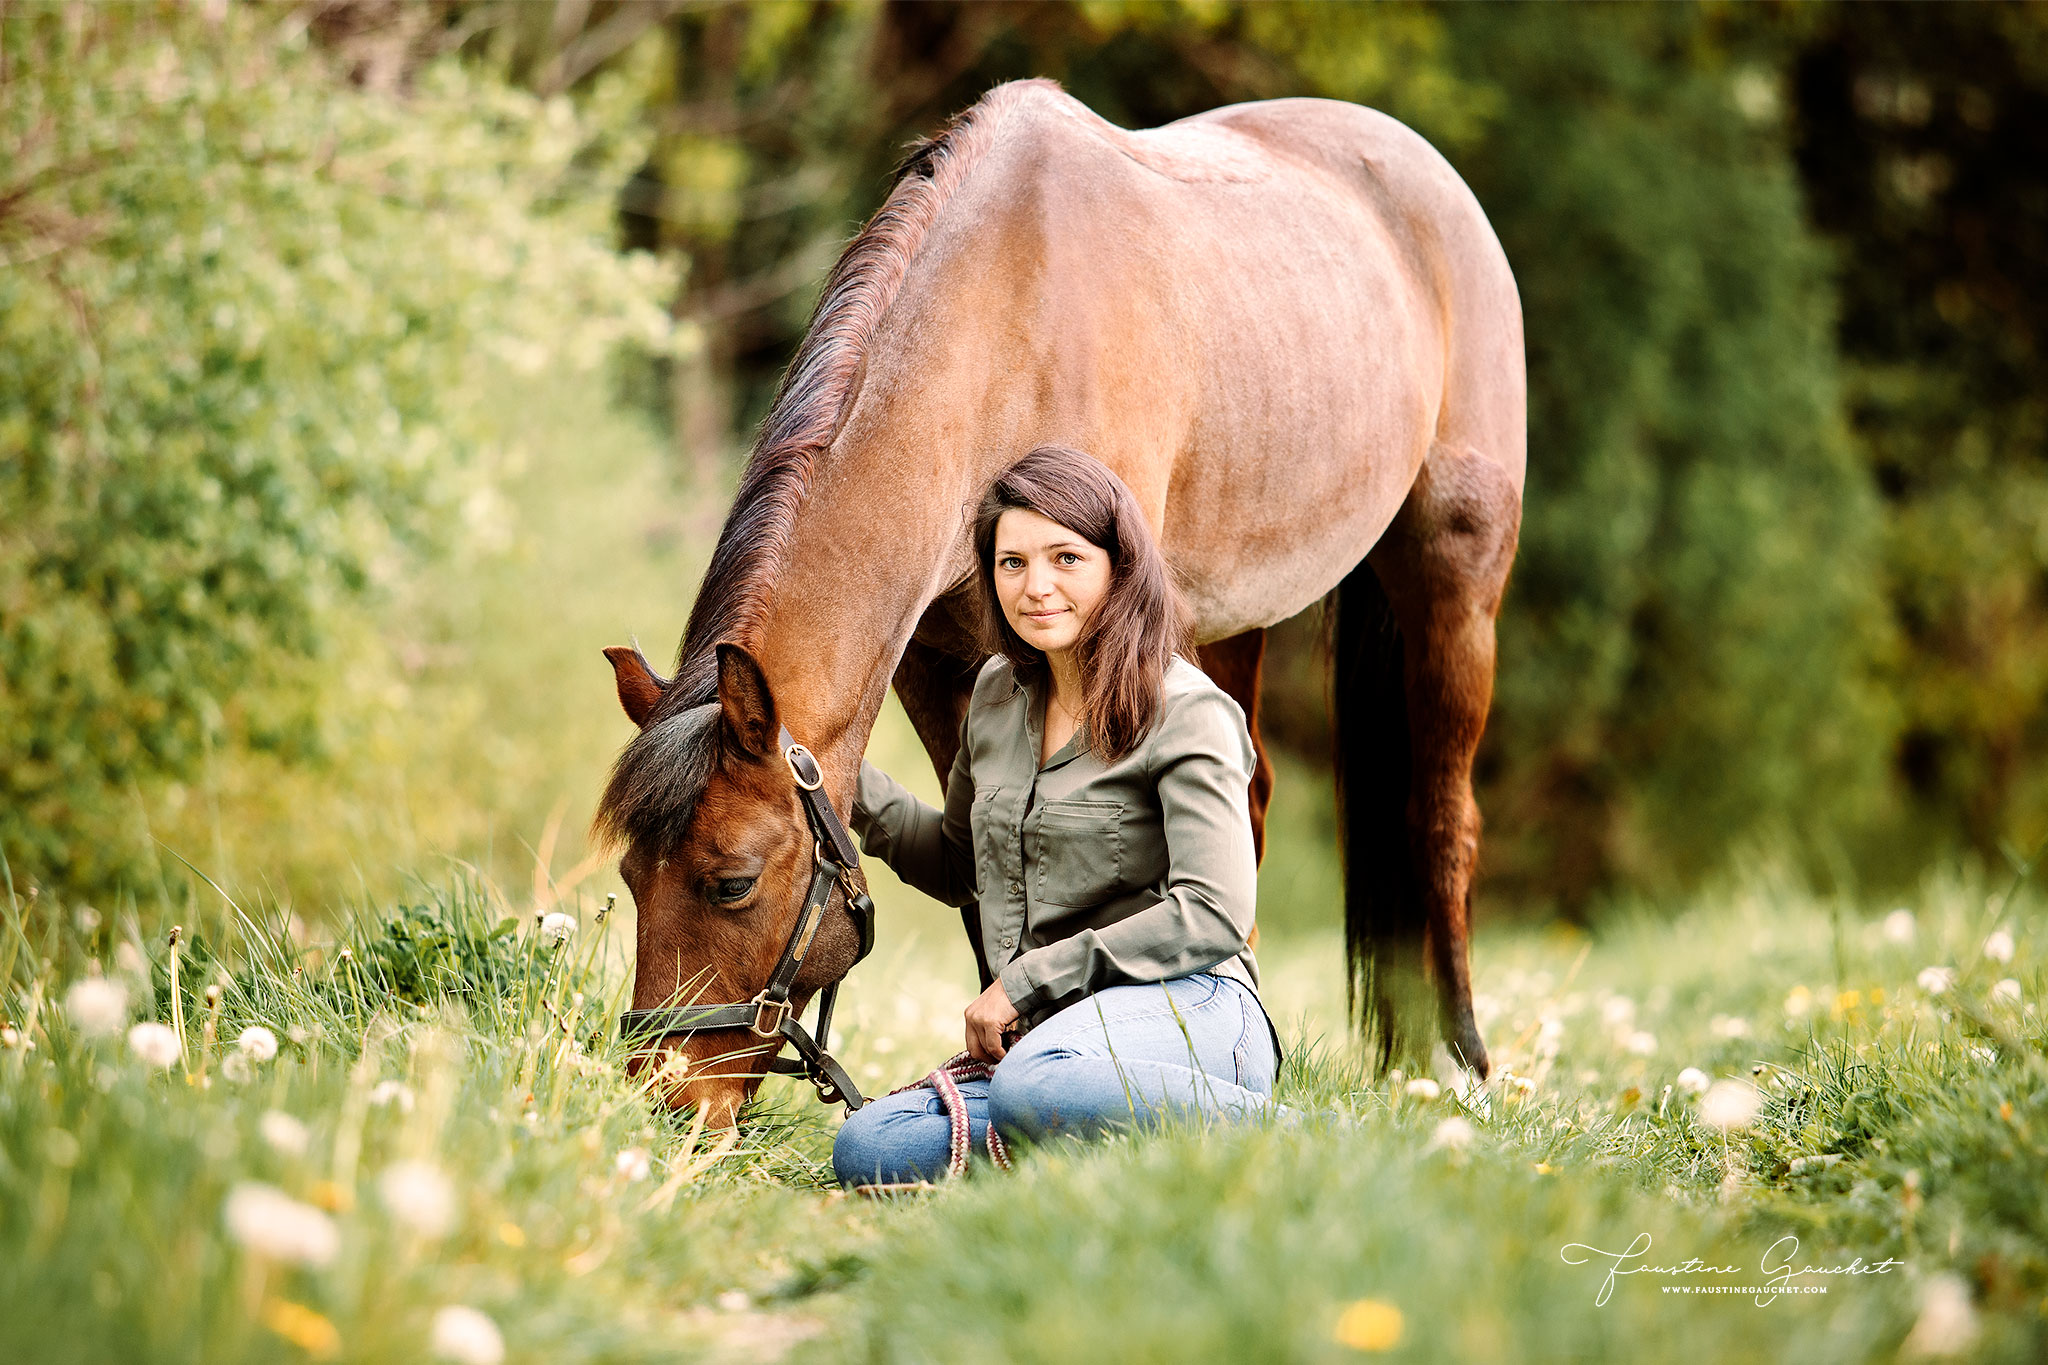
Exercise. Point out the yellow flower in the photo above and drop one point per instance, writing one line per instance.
(1369, 1325)
(303, 1328)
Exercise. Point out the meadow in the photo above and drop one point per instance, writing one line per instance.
(408, 1135)
(430, 1149)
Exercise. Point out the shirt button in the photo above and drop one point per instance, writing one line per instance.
(1009, 942)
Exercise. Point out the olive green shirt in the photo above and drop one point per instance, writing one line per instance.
(1087, 874)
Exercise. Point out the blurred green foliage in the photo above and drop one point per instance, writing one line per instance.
(286, 315)
(241, 317)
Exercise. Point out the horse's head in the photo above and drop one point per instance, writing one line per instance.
(718, 857)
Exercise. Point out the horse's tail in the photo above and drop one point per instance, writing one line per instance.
(1384, 915)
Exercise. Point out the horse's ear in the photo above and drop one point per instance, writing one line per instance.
(640, 687)
(746, 706)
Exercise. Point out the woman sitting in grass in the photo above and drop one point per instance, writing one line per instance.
(1097, 814)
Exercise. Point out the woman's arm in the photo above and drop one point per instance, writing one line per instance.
(931, 850)
(1207, 912)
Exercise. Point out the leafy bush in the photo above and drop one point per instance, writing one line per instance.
(240, 330)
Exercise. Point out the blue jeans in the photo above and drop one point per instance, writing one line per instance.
(1118, 1057)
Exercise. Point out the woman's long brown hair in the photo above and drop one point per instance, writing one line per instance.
(1125, 647)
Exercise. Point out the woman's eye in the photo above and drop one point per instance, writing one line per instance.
(1069, 558)
(726, 890)
(1012, 563)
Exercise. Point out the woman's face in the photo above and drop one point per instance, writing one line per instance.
(1048, 579)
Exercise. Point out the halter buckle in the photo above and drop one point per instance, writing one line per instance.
(764, 1010)
(790, 756)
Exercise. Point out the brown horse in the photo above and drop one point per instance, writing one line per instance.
(1290, 329)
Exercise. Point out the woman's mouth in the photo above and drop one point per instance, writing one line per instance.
(1044, 615)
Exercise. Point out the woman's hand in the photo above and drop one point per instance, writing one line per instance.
(988, 1018)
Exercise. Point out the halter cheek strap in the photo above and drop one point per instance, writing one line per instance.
(834, 861)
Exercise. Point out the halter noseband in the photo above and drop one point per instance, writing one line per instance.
(834, 861)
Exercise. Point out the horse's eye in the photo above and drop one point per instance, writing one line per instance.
(727, 890)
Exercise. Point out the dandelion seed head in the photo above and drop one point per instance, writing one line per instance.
(1936, 980)
(284, 1133)
(556, 927)
(237, 1068)
(1729, 1026)
(1641, 1043)
(634, 1163)
(1900, 926)
(1618, 1012)
(1453, 1134)
(1692, 1081)
(154, 1045)
(1729, 1104)
(1422, 1088)
(467, 1337)
(419, 1196)
(271, 1223)
(1998, 947)
(1947, 1325)
(392, 1092)
(97, 1006)
(128, 959)
(257, 1043)
(2006, 992)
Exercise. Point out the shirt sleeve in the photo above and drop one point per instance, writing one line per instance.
(929, 849)
(1206, 915)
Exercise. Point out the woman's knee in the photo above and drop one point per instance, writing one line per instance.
(1023, 1094)
(880, 1142)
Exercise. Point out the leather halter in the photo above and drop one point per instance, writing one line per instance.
(834, 861)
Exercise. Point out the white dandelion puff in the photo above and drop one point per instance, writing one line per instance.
(1692, 1081)
(1936, 980)
(556, 927)
(419, 1196)
(1422, 1088)
(1618, 1012)
(271, 1223)
(634, 1163)
(467, 1337)
(1900, 926)
(283, 1132)
(2006, 992)
(1947, 1325)
(237, 1068)
(1641, 1043)
(97, 1006)
(1998, 947)
(257, 1043)
(392, 1092)
(1453, 1134)
(1729, 1104)
(155, 1045)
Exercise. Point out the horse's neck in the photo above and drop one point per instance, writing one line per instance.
(866, 557)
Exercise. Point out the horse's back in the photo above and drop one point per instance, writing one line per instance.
(1299, 297)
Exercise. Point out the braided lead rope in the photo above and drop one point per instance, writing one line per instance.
(945, 1079)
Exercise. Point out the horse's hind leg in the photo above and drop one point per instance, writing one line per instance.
(1233, 665)
(1443, 565)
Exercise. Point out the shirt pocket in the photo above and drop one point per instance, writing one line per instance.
(1080, 852)
(986, 828)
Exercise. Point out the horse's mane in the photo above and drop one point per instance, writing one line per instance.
(652, 791)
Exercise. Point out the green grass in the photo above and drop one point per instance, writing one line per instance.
(1894, 1122)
